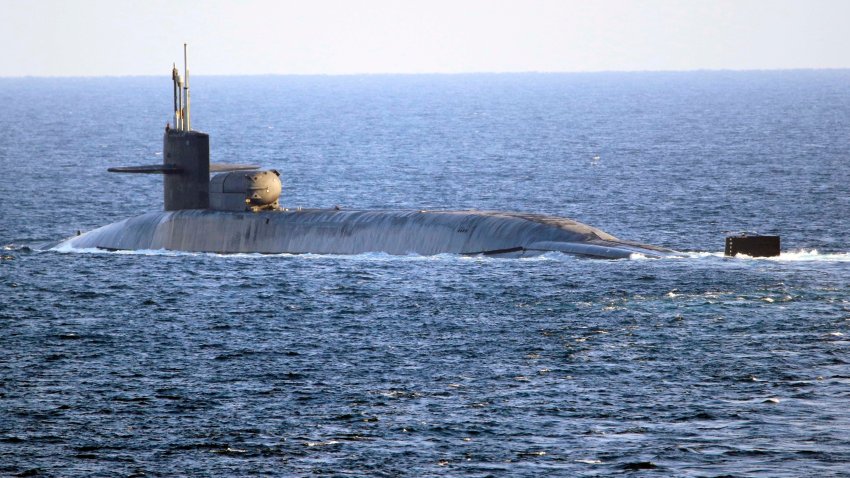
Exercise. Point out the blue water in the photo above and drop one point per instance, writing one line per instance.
(172, 364)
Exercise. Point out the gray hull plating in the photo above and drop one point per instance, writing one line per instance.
(354, 232)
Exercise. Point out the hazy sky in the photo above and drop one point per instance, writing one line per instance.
(123, 37)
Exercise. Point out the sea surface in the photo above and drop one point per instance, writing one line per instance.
(163, 364)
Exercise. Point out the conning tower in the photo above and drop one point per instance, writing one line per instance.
(188, 152)
(185, 153)
(185, 150)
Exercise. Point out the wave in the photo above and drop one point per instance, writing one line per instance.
(802, 255)
(66, 248)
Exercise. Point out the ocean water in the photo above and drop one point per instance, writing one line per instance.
(158, 363)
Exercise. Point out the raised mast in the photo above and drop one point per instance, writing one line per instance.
(187, 118)
(174, 75)
(182, 114)
(178, 85)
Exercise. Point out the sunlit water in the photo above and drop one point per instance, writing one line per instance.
(162, 363)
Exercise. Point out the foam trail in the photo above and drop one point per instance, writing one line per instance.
(370, 257)
(802, 255)
(68, 248)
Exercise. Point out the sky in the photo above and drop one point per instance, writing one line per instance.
(128, 37)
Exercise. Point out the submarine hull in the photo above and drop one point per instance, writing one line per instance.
(239, 212)
(321, 231)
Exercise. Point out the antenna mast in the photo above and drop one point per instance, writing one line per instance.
(187, 118)
(174, 75)
(182, 118)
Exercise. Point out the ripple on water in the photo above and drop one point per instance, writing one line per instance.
(161, 363)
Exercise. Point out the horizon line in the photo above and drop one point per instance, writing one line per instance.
(438, 73)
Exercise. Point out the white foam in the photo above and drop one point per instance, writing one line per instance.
(67, 248)
(802, 255)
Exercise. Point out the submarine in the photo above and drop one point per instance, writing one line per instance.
(238, 210)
